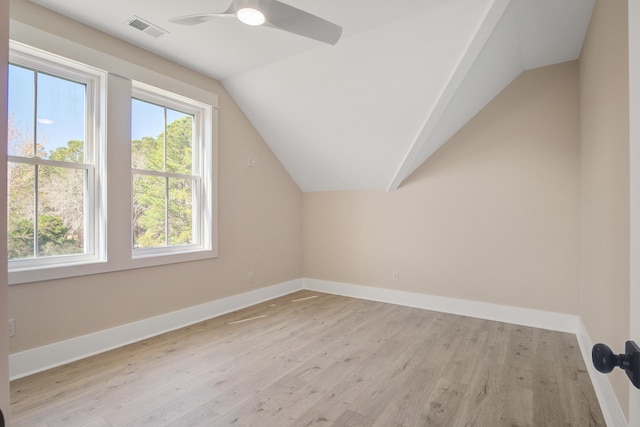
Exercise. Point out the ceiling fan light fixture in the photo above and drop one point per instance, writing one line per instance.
(251, 16)
(274, 14)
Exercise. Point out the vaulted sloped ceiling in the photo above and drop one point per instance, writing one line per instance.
(365, 113)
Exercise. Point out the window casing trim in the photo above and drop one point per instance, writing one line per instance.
(201, 155)
(95, 94)
(117, 92)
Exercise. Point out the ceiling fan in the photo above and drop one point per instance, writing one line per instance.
(273, 13)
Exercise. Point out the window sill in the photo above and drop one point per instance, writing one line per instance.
(96, 267)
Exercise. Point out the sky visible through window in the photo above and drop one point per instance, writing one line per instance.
(60, 113)
(148, 119)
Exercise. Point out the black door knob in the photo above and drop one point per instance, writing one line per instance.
(605, 360)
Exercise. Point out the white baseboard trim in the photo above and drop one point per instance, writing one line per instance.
(49, 356)
(611, 410)
(501, 313)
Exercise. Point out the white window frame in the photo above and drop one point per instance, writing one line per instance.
(95, 221)
(202, 168)
(113, 160)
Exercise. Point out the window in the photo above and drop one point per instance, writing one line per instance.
(168, 146)
(91, 192)
(53, 163)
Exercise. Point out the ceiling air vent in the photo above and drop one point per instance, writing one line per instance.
(146, 27)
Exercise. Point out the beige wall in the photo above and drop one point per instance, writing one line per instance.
(260, 223)
(604, 166)
(492, 216)
(4, 340)
(526, 206)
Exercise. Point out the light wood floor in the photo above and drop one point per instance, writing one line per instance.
(311, 359)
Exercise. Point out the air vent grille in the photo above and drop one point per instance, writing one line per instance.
(138, 24)
(146, 27)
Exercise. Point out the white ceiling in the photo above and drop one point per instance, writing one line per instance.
(365, 113)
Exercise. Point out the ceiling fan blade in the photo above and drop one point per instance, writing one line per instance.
(196, 19)
(294, 20)
(203, 17)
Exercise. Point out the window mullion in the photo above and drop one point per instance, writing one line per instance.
(164, 141)
(166, 211)
(47, 162)
(36, 213)
(196, 232)
(89, 207)
(163, 174)
(35, 115)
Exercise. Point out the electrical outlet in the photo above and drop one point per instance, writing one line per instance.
(253, 162)
(395, 276)
(251, 276)
(12, 327)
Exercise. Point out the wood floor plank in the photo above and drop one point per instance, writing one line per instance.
(548, 384)
(352, 419)
(199, 417)
(312, 359)
(509, 381)
(166, 410)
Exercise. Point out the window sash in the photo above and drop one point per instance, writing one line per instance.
(90, 235)
(167, 100)
(41, 62)
(197, 216)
